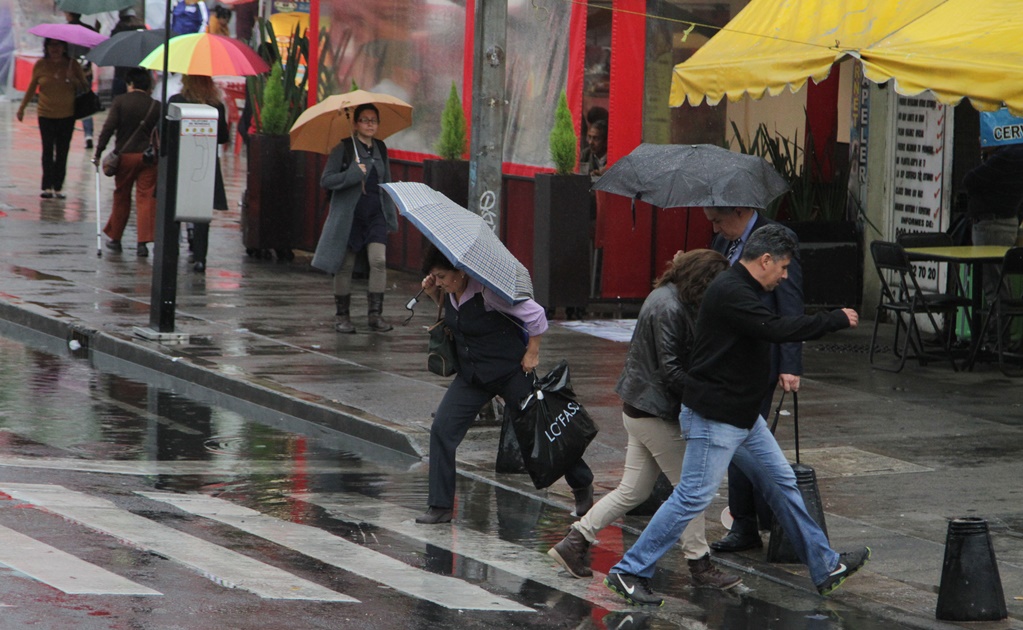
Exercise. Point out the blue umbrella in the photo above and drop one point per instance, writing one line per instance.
(464, 238)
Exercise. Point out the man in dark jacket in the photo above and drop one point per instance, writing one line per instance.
(721, 419)
(732, 229)
(995, 189)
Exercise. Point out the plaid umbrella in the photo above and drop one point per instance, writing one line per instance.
(693, 175)
(464, 238)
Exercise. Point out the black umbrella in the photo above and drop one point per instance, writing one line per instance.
(693, 175)
(127, 48)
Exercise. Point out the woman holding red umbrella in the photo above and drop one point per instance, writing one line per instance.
(57, 79)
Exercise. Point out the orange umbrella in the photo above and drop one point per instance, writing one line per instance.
(321, 127)
(207, 55)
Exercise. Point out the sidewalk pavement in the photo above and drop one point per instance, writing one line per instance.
(896, 455)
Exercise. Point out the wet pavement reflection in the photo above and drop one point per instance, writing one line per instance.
(66, 412)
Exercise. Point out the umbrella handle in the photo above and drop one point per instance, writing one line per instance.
(795, 421)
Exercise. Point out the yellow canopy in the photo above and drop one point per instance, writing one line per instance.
(955, 48)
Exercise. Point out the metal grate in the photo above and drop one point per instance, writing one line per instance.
(848, 348)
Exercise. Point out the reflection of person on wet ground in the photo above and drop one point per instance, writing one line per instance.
(650, 387)
(494, 359)
(721, 420)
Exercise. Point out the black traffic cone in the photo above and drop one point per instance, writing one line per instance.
(970, 589)
(779, 549)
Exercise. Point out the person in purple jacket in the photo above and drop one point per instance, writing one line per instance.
(498, 348)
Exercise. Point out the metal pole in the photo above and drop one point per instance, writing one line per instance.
(488, 111)
(163, 292)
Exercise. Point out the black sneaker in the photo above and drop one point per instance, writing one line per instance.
(634, 589)
(848, 563)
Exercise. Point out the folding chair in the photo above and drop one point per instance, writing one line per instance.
(1004, 309)
(953, 277)
(902, 297)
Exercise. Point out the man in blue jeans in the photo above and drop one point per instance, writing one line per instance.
(721, 421)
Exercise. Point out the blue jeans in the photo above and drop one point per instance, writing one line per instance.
(710, 446)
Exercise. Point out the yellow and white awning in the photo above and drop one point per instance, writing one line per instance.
(954, 48)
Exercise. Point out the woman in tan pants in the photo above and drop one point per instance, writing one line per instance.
(651, 390)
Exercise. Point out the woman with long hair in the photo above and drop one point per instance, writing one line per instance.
(201, 90)
(650, 387)
(56, 78)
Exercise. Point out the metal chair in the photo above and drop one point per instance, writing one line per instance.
(1003, 310)
(903, 298)
(953, 277)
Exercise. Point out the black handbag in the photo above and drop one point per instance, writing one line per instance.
(152, 153)
(87, 104)
(441, 356)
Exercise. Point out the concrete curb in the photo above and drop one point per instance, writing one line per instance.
(161, 358)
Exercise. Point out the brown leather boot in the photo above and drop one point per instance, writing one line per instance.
(706, 575)
(583, 500)
(343, 321)
(374, 318)
(571, 553)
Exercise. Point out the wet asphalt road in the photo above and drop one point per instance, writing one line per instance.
(95, 463)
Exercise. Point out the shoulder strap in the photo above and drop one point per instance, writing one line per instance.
(141, 122)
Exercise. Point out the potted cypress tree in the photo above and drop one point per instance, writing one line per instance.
(275, 194)
(561, 222)
(450, 174)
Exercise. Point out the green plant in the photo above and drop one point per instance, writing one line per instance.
(563, 140)
(275, 108)
(811, 197)
(453, 132)
(293, 86)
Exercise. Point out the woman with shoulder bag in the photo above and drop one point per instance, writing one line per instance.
(57, 78)
(650, 387)
(498, 349)
(360, 218)
(131, 119)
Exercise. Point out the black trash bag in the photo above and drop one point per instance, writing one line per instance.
(509, 453)
(553, 428)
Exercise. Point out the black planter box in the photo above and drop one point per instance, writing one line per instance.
(831, 255)
(267, 216)
(450, 177)
(561, 241)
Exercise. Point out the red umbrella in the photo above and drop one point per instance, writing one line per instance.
(207, 55)
(70, 33)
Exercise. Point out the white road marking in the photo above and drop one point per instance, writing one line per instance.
(220, 565)
(442, 590)
(61, 570)
(512, 558)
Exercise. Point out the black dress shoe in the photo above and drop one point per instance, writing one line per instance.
(434, 515)
(735, 541)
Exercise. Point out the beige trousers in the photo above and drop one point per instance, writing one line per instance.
(655, 446)
(377, 255)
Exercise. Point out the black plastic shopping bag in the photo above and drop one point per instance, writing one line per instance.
(553, 428)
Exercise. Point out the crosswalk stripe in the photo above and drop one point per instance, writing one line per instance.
(61, 570)
(220, 565)
(442, 590)
(148, 468)
(491, 550)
